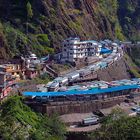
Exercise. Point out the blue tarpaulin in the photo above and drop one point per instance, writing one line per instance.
(105, 50)
(82, 92)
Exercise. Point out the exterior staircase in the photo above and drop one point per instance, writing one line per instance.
(51, 72)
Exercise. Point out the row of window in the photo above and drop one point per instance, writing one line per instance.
(80, 50)
(80, 45)
(81, 53)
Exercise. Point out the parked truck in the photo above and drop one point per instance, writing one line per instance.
(73, 76)
(90, 121)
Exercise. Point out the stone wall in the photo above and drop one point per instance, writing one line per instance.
(116, 71)
(76, 107)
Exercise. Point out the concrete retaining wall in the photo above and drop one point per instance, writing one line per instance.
(116, 71)
(76, 107)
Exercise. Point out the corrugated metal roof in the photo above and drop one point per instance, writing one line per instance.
(93, 91)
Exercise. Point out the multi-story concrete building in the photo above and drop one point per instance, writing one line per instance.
(74, 49)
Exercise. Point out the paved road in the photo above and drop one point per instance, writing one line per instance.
(77, 117)
(83, 129)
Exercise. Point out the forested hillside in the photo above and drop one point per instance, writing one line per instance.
(19, 122)
(129, 17)
(41, 25)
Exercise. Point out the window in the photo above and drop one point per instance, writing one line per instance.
(89, 44)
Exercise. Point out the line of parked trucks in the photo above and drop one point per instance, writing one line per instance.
(79, 74)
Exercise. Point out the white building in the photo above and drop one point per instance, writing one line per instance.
(33, 57)
(74, 49)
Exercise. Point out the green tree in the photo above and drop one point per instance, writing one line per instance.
(18, 121)
(29, 10)
(118, 126)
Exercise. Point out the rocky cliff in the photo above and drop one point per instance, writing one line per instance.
(40, 25)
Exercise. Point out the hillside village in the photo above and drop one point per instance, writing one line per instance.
(69, 70)
(19, 68)
(29, 67)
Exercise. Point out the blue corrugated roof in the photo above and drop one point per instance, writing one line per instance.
(105, 50)
(93, 91)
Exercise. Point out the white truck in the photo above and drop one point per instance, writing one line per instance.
(73, 76)
(90, 121)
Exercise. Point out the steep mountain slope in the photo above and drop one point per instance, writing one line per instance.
(129, 16)
(41, 25)
(19, 122)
